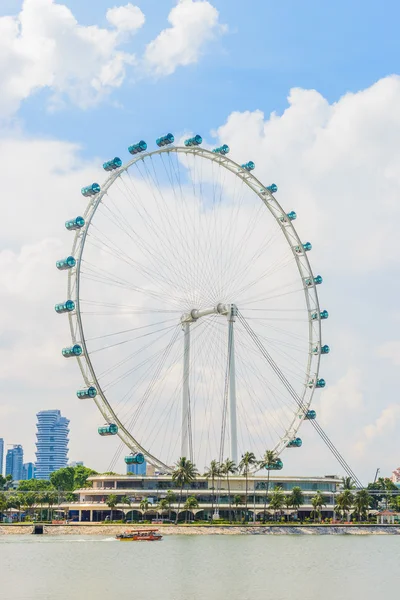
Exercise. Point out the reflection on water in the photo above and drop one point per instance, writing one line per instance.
(200, 568)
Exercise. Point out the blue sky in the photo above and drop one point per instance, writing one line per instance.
(336, 160)
(334, 48)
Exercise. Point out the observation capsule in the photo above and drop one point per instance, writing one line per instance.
(275, 466)
(90, 392)
(316, 281)
(310, 415)
(110, 429)
(67, 306)
(291, 216)
(76, 223)
(194, 141)
(324, 349)
(137, 148)
(135, 459)
(303, 248)
(295, 443)
(249, 166)
(221, 150)
(71, 351)
(65, 263)
(91, 190)
(272, 188)
(113, 164)
(165, 140)
(323, 315)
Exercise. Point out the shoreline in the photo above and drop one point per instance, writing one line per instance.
(112, 530)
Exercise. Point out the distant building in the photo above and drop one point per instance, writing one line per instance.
(76, 463)
(396, 476)
(1, 455)
(52, 443)
(14, 462)
(28, 471)
(136, 469)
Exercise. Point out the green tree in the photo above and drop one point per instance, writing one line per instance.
(344, 502)
(267, 462)
(81, 473)
(170, 498)
(382, 489)
(348, 483)
(297, 498)
(28, 501)
(277, 501)
(111, 502)
(184, 473)
(163, 506)
(248, 460)
(213, 471)
(63, 479)
(318, 501)
(34, 485)
(15, 502)
(190, 504)
(229, 468)
(144, 506)
(362, 503)
(237, 501)
(3, 504)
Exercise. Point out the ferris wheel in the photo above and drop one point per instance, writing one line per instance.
(193, 308)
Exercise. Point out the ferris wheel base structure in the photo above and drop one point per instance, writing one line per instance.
(114, 425)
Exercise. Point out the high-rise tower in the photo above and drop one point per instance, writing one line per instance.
(52, 443)
(14, 462)
(1, 455)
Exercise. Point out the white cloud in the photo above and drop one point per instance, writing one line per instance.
(193, 24)
(45, 47)
(126, 18)
(391, 351)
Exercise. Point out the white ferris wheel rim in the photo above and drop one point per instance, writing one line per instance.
(303, 266)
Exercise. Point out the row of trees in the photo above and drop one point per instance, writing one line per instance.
(27, 502)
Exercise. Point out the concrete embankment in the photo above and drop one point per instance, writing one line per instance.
(112, 530)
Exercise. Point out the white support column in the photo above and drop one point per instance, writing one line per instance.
(185, 391)
(232, 383)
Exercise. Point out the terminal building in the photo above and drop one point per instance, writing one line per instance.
(227, 498)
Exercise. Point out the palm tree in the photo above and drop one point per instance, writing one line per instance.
(212, 472)
(348, 483)
(266, 462)
(318, 502)
(170, 498)
(185, 472)
(344, 502)
(163, 505)
(190, 504)
(228, 468)
(288, 504)
(3, 504)
(52, 499)
(277, 501)
(297, 498)
(248, 460)
(237, 501)
(362, 502)
(144, 506)
(111, 502)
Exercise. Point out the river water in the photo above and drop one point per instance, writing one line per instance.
(331, 567)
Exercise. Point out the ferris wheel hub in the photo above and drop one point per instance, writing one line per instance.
(228, 310)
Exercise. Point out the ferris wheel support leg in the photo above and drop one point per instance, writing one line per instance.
(185, 392)
(232, 383)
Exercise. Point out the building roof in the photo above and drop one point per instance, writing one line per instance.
(388, 513)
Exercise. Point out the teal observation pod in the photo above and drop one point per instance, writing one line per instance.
(71, 351)
(277, 465)
(65, 263)
(76, 223)
(316, 281)
(110, 429)
(113, 164)
(165, 140)
(137, 148)
(194, 141)
(290, 216)
(272, 188)
(323, 315)
(295, 443)
(303, 248)
(320, 383)
(324, 349)
(67, 306)
(221, 150)
(91, 190)
(310, 415)
(135, 459)
(89, 392)
(249, 166)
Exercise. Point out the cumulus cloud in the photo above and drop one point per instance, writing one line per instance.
(126, 18)
(193, 24)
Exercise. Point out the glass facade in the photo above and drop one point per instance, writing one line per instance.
(28, 471)
(52, 443)
(14, 462)
(1, 455)
(136, 469)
